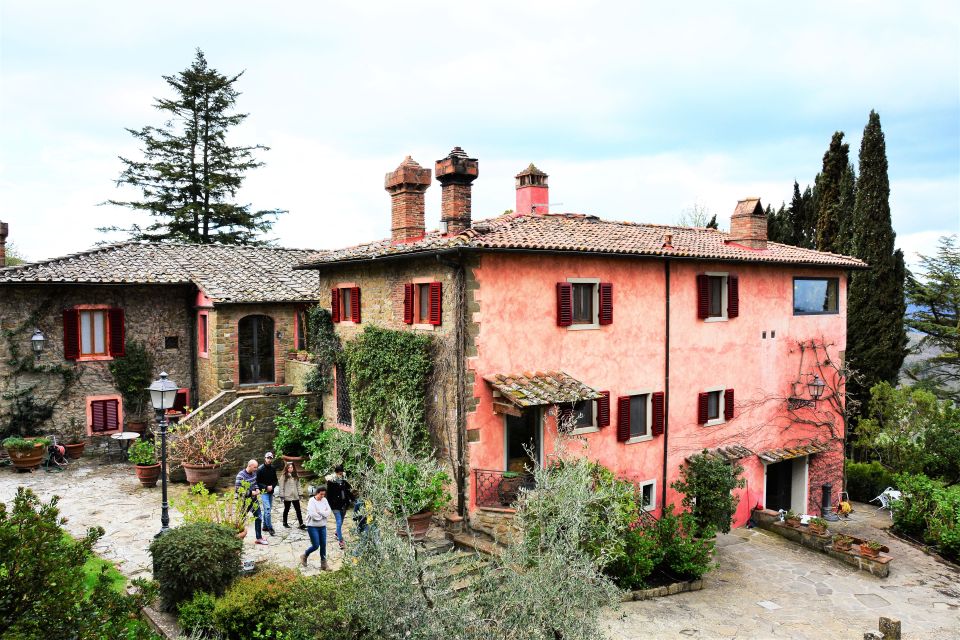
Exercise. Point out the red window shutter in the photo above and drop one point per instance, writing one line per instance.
(606, 303)
(111, 410)
(355, 304)
(702, 401)
(623, 418)
(703, 296)
(436, 302)
(98, 415)
(603, 409)
(733, 296)
(71, 334)
(408, 304)
(117, 332)
(564, 304)
(335, 304)
(657, 402)
(728, 404)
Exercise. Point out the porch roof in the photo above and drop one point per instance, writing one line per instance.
(777, 455)
(538, 389)
(728, 453)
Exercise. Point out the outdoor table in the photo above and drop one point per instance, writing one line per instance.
(125, 438)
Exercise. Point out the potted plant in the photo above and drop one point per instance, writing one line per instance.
(202, 449)
(75, 440)
(296, 432)
(303, 355)
(230, 509)
(792, 519)
(143, 455)
(870, 548)
(818, 526)
(842, 542)
(132, 374)
(417, 492)
(26, 453)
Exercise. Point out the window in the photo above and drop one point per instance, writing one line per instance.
(104, 414)
(93, 333)
(171, 342)
(202, 347)
(583, 303)
(423, 303)
(345, 304)
(648, 493)
(639, 415)
(583, 415)
(718, 296)
(301, 330)
(715, 406)
(813, 296)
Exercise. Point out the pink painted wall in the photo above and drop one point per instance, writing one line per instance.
(518, 333)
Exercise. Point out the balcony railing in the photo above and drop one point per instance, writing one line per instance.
(500, 489)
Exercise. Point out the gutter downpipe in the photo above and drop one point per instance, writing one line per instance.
(666, 378)
(459, 282)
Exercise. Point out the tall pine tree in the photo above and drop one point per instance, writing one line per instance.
(802, 217)
(829, 190)
(876, 337)
(189, 174)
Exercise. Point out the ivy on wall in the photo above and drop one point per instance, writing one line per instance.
(325, 345)
(132, 374)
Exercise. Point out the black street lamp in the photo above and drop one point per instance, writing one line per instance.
(37, 342)
(162, 394)
(816, 387)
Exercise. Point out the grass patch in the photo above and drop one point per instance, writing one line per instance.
(92, 568)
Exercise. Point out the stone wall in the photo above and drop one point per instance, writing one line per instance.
(496, 523)
(207, 365)
(152, 313)
(296, 372)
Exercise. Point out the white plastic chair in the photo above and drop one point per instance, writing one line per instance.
(886, 499)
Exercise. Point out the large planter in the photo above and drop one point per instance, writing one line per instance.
(136, 426)
(419, 524)
(298, 465)
(27, 459)
(147, 474)
(75, 450)
(208, 474)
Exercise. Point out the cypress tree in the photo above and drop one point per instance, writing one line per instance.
(802, 217)
(778, 225)
(845, 209)
(876, 336)
(828, 186)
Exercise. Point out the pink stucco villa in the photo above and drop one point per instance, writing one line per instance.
(653, 343)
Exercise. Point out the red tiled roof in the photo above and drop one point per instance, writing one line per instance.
(570, 232)
(534, 389)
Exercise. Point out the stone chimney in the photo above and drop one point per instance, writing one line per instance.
(748, 224)
(532, 192)
(455, 173)
(4, 229)
(406, 186)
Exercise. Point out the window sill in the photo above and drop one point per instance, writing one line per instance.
(649, 507)
(584, 430)
(716, 319)
(349, 323)
(638, 439)
(815, 313)
(714, 422)
(583, 327)
(422, 326)
(93, 358)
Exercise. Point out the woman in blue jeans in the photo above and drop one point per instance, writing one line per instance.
(318, 510)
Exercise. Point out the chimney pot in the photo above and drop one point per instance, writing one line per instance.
(406, 185)
(456, 172)
(748, 224)
(533, 194)
(668, 241)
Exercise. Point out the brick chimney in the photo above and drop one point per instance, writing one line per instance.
(748, 224)
(4, 230)
(406, 185)
(532, 191)
(455, 173)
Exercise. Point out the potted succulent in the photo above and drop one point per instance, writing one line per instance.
(201, 450)
(296, 432)
(143, 455)
(842, 542)
(75, 440)
(818, 526)
(417, 492)
(792, 519)
(26, 453)
(870, 548)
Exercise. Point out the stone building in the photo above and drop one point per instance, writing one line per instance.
(651, 342)
(213, 317)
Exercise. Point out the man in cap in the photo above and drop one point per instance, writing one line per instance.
(267, 481)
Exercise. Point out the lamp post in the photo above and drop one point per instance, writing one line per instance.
(37, 343)
(162, 394)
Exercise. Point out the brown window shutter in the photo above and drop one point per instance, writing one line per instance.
(623, 418)
(115, 319)
(564, 304)
(98, 415)
(657, 402)
(71, 334)
(111, 410)
(603, 409)
(728, 404)
(703, 296)
(436, 303)
(733, 296)
(335, 305)
(606, 303)
(702, 401)
(408, 304)
(355, 304)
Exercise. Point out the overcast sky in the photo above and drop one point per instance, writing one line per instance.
(636, 110)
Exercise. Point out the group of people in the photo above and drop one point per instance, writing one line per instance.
(330, 498)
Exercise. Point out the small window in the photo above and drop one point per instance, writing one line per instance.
(93, 333)
(342, 391)
(104, 414)
(302, 330)
(648, 495)
(345, 308)
(584, 415)
(813, 296)
(716, 285)
(714, 399)
(202, 347)
(423, 303)
(583, 294)
(639, 425)
(171, 342)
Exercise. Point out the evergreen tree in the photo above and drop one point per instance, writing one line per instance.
(829, 189)
(712, 224)
(189, 174)
(845, 209)
(778, 225)
(802, 218)
(876, 337)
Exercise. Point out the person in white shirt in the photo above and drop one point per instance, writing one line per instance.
(318, 510)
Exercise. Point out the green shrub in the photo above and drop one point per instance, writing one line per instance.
(944, 523)
(196, 614)
(142, 452)
(319, 606)
(251, 601)
(195, 557)
(866, 480)
(415, 490)
(296, 431)
(687, 549)
(707, 486)
(334, 446)
(642, 553)
(919, 496)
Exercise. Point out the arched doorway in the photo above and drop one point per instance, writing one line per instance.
(255, 349)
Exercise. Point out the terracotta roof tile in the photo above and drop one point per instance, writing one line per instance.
(727, 453)
(224, 273)
(588, 234)
(811, 447)
(540, 388)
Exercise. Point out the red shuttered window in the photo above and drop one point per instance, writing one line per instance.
(436, 302)
(606, 303)
(564, 304)
(703, 400)
(703, 296)
(623, 418)
(335, 304)
(408, 303)
(71, 334)
(733, 296)
(728, 404)
(117, 332)
(104, 415)
(355, 304)
(603, 409)
(718, 296)
(658, 414)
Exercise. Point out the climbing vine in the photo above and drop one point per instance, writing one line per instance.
(132, 373)
(387, 369)
(325, 345)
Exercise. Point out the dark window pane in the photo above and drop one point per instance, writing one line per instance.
(423, 293)
(171, 342)
(583, 303)
(815, 295)
(647, 496)
(638, 416)
(345, 304)
(716, 296)
(583, 414)
(344, 413)
(713, 405)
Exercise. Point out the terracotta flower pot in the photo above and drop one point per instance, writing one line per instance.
(242, 533)
(148, 474)
(75, 450)
(817, 529)
(867, 552)
(28, 459)
(842, 547)
(208, 474)
(419, 524)
(136, 426)
(793, 522)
